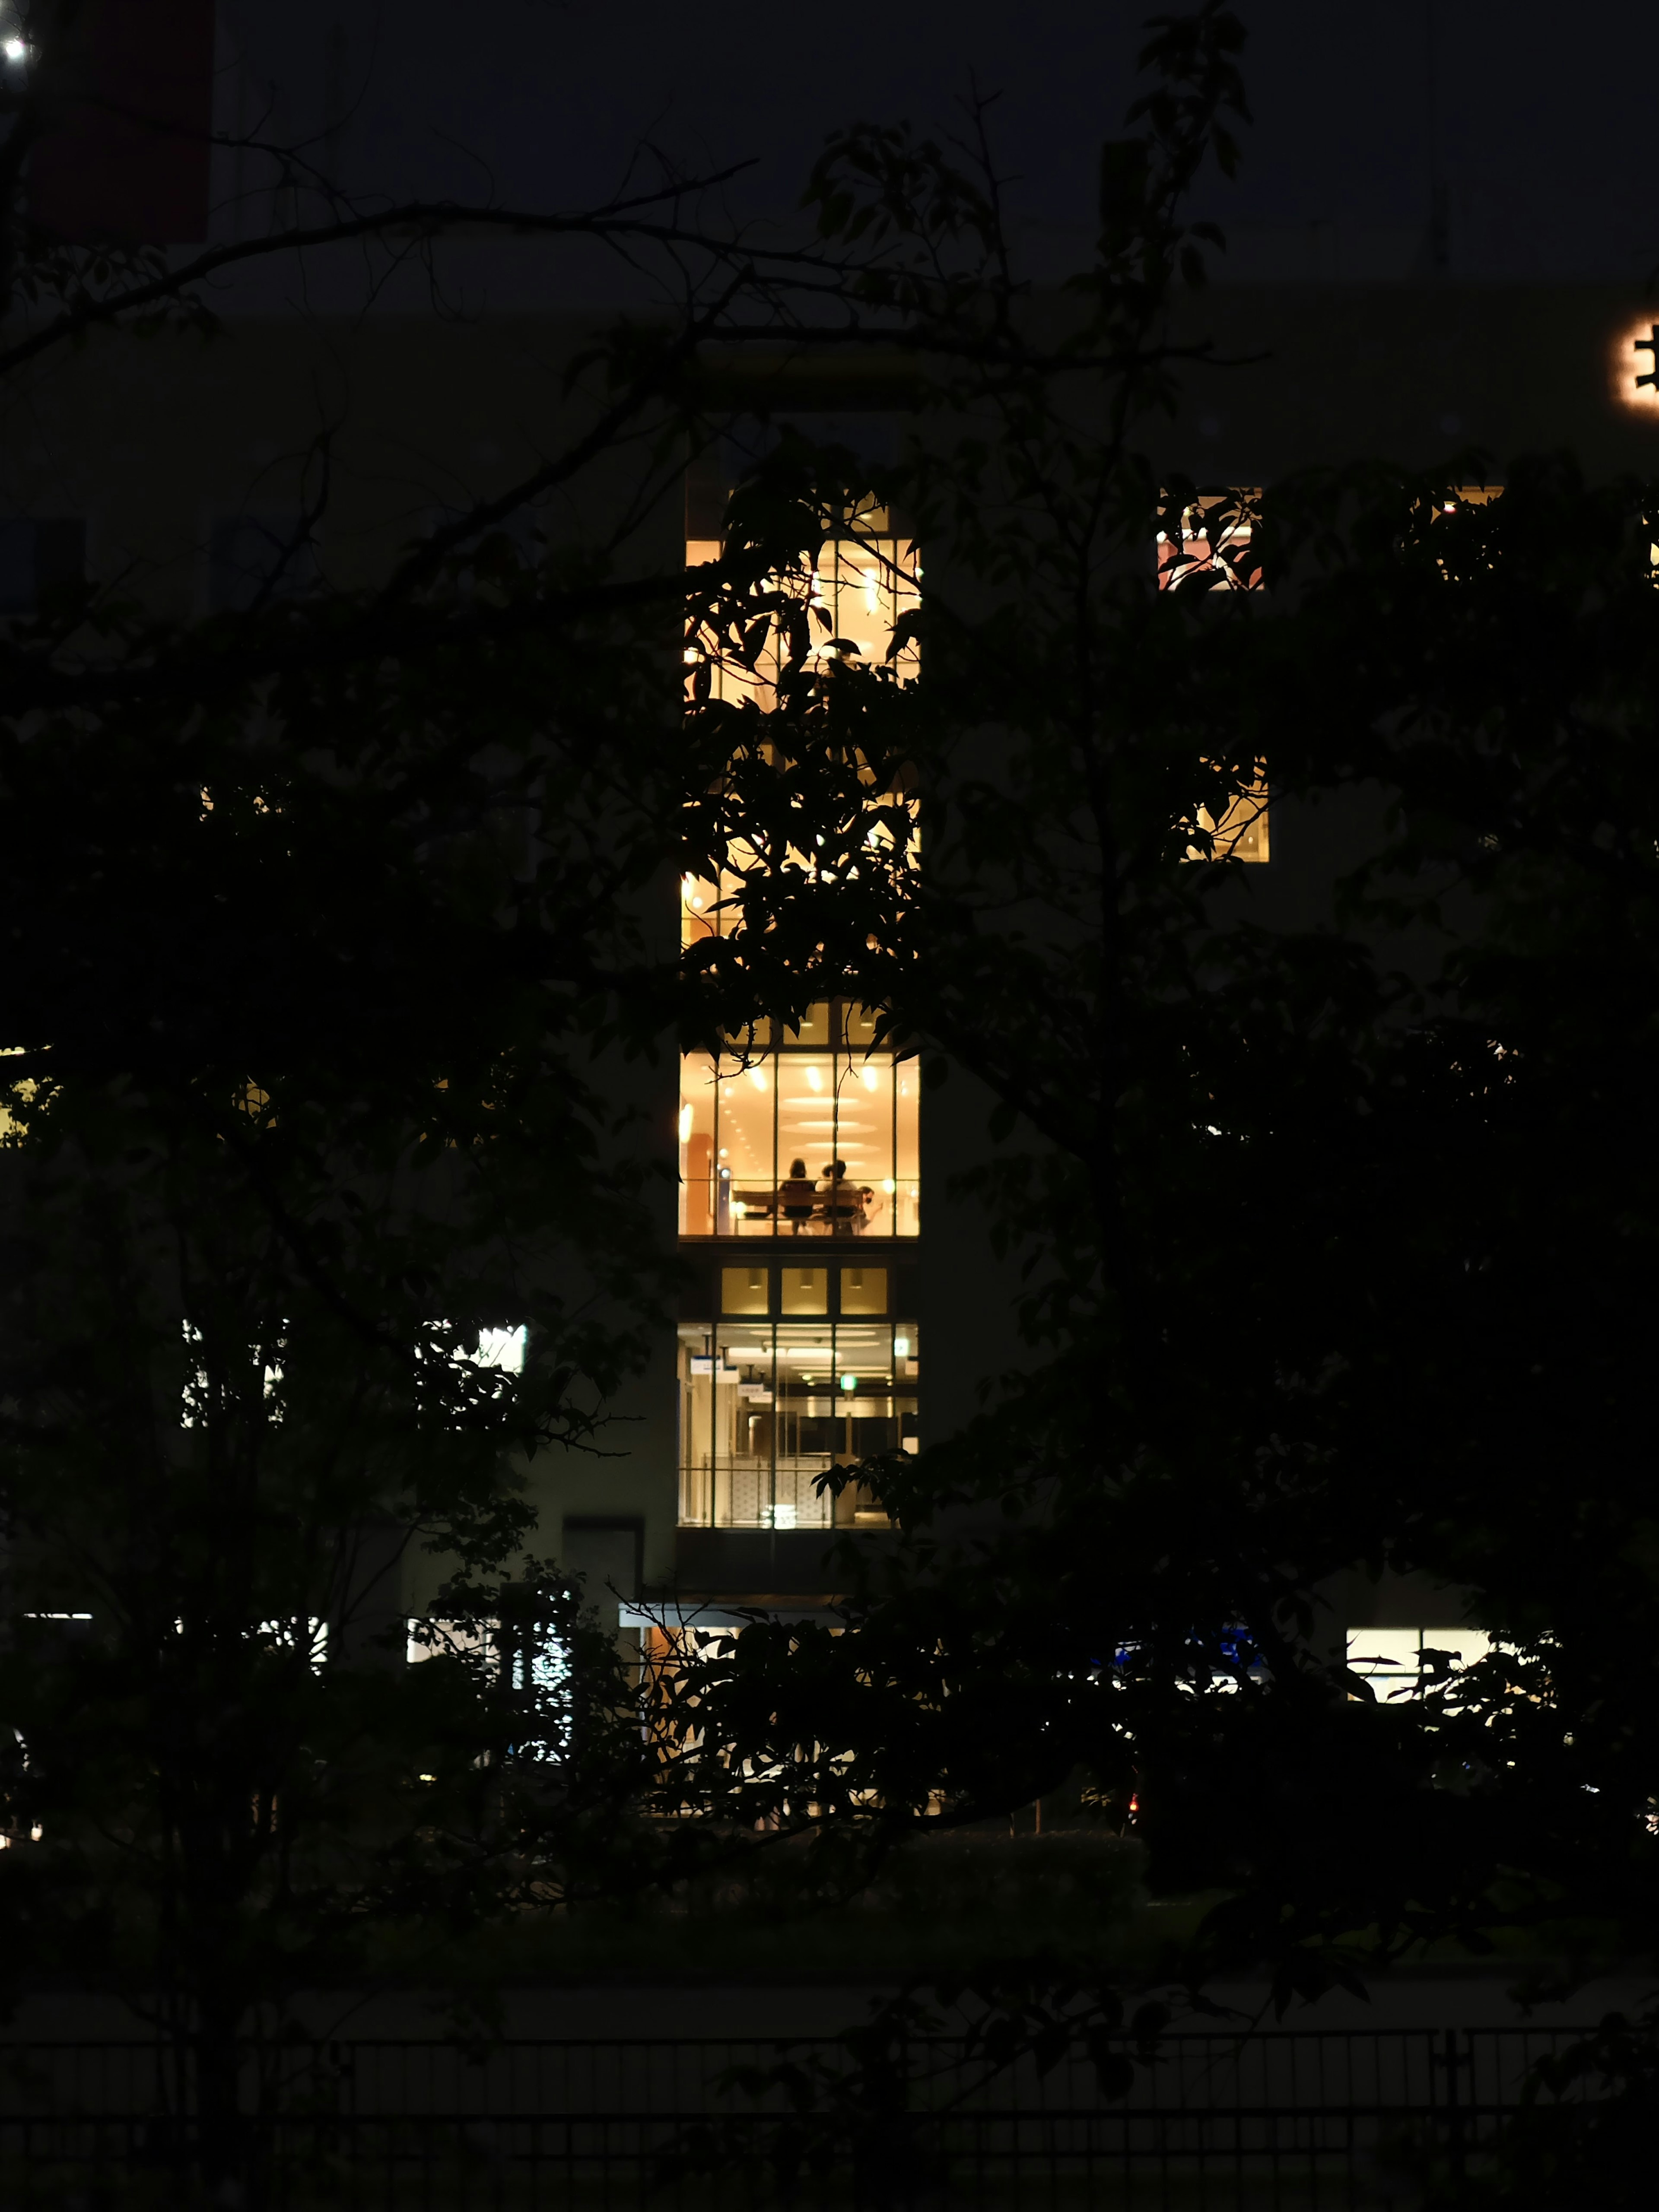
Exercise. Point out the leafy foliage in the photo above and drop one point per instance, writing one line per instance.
(1329, 1193)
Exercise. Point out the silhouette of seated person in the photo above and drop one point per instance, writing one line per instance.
(843, 1202)
(797, 1197)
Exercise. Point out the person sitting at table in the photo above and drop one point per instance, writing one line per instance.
(795, 1197)
(843, 1202)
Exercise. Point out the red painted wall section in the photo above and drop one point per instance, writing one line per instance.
(128, 156)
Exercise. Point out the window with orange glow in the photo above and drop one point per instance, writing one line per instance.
(854, 590)
(1210, 545)
(804, 1131)
(804, 1134)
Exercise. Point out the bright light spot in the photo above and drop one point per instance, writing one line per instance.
(1634, 365)
(849, 1381)
(902, 1348)
(450, 1638)
(758, 1076)
(685, 1122)
(502, 1349)
(814, 1079)
(869, 1075)
(15, 51)
(312, 1639)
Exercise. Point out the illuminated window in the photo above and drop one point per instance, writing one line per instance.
(852, 596)
(1633, 360)
(768, 1409)
(527, 1656)
(1394, 1661)
(807, 1131)
(1210, 545)
(1243, 832)
(811, 1135)
(854, 591)
(745, 1290)
(802, 1289)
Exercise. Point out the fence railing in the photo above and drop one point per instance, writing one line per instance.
(1286, 2118)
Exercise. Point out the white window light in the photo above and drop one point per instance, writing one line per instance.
(197, 1389)
(429, 1637)
(501, 1349)
(288, 1634)
(539, 1664)
(549, 1670)
(1393, 1660)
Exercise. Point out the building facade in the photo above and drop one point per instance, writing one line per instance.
(812, 1272)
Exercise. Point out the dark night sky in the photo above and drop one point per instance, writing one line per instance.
(1547, 127)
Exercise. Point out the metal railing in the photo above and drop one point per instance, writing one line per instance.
(1222, 2123)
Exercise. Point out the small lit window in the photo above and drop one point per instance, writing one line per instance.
(1209, 545)
(1243, 832)
(864, 1290)
(744, 1290)
(804, 1289)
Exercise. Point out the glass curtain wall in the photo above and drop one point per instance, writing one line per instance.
(809, 1135)
(807, 1132)
(768, 1407)
(858, 587)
